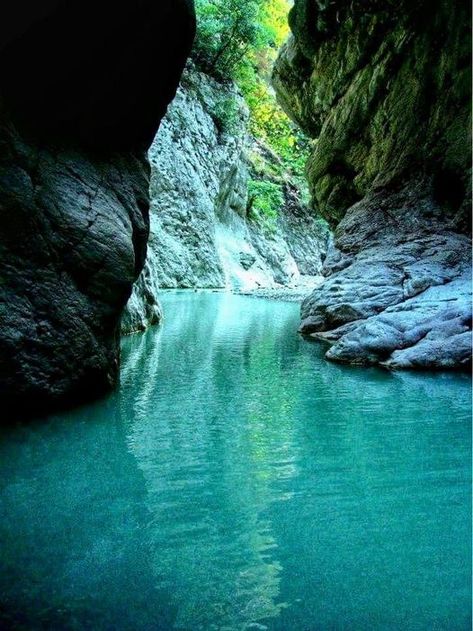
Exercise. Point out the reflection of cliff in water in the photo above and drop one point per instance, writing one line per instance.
(283, 486)
(210, 477)
(238, 480)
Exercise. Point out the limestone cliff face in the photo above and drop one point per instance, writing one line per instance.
(384, 90)
(203, 234)
(77, 114)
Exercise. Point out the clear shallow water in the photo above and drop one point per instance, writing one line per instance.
(238, 481)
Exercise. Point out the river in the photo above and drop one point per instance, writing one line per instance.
(236, 480)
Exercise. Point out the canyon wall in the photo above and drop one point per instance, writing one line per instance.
(204, 232)
(384, 90)
(84, 86)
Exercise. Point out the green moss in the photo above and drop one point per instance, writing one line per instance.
(384, 88)
(226, 115)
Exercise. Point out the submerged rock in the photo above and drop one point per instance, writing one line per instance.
(390, 168)
(77, 114)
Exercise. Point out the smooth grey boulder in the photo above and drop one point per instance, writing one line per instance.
(398, 287)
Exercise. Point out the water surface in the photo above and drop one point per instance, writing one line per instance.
(238, 481)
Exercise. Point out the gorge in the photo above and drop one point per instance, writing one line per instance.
(388, 169)
(203, 232)
(398, 288)
(235, 315)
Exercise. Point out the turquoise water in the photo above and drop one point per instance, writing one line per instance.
(238, 481)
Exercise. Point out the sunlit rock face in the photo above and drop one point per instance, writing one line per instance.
(78, 112)
(384, 90)
(201, 232)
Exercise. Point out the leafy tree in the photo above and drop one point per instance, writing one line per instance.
(227, 30)
(238, 40)
(230, 32)
(265, 201)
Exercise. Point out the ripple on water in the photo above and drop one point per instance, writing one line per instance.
(238, 481)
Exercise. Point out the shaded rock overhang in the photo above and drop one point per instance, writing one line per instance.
(97, 73)
(83, 88)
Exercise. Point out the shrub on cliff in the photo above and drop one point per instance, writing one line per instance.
(238, 41)
(265, 200)
(227, 30)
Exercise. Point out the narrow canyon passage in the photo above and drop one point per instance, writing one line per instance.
(235, 315)
(238, 481)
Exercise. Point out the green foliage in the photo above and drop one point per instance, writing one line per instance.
(227, 30)
(265, 200)
(231, 32)
(226, 115)
(238, 40)
(270, 124)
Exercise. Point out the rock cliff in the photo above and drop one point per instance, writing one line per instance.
(77, 113)
(204, 233)
(384, 89)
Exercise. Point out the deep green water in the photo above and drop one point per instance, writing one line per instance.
(238, 481)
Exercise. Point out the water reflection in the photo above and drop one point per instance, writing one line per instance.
(237, 481)
(71, 518)
(253, 427)
(208, 477)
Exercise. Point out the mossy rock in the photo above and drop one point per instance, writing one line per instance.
(385, 89)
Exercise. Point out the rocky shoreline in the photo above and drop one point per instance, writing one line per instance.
(390, 169)
(296, 292)
(397, 289)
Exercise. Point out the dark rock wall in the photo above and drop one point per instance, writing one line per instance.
(83, 88)
(98, 72)
(384, 89)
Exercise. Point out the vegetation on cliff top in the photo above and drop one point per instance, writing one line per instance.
(238, 41)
